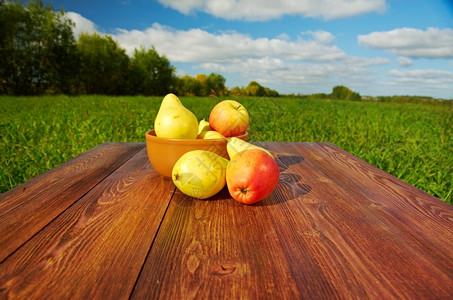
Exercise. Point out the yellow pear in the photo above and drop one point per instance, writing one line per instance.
(236, 145)
(174, 121)
(210, 134)
(203, 126)
(200, 173)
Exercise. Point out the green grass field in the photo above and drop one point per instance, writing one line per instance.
(414, 142)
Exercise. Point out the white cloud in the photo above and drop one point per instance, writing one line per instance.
(301, 75)
(404, 61)
(423, 76)
(321, 36)
(312, 59)
(258, 10)
(422, 82)
(431, 43)
(196, 45)
(82, 24)
(311, 63)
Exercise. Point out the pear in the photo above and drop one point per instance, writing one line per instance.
(236, 145)
(174, 121)
(210, 134)
(200, 173)
(203, 126)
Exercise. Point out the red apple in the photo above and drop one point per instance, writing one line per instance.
(251, 176)
(230, 118)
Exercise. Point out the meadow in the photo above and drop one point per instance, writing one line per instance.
(414, 142)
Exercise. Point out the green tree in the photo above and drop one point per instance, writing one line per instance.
(255, 89)
(354, 97)
(153, 74)
(104, 67)
(344, 93)
(236, 91)
(190, 86)
(215, 84)
(203, 79)
(37, 51)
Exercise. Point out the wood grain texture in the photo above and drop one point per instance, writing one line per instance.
(358, 232)
(335, 227)
(326, 232)
(29, 207)
(96, 248)
(216, 249)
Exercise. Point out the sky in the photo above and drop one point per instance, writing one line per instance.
(374, 47)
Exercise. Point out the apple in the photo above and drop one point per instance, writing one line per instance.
(251, 176)
(230, 118)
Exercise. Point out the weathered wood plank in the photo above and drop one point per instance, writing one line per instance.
(399, 199)
(322, 215)
(94, 249)
(216, 249)
(29, 207)
(335, 227)
(341, 240)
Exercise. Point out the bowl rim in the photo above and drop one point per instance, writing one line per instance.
(151, 134)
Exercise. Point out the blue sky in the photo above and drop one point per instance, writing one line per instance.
(375, 47)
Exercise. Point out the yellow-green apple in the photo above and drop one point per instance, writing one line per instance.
(230, 118)
(251, 176)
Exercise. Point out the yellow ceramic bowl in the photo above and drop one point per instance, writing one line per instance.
(164, 153)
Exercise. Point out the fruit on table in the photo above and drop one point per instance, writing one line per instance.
(174, 121)
(203, 126)
(230, 118)
(210, 134)
(200, 173)
(236, 145)
(251, 176)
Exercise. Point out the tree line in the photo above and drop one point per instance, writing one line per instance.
(40, 55)
(339, 92)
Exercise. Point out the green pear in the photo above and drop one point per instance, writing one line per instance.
(236, 145)
(200, 173)
(174, 121)
(210, 134)
(203, 126)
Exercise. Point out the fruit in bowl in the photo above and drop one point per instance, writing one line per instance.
(174, 121)
(163, 153)
(210, 134)
(203, 125)
(202, 157)
(177, 131)
(230, 118)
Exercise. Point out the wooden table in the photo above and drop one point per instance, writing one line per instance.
(106, 226)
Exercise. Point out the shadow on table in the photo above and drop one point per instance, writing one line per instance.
(289, 186)
(285, 161)
(185, 201)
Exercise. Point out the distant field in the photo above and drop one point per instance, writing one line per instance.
(414, 142)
